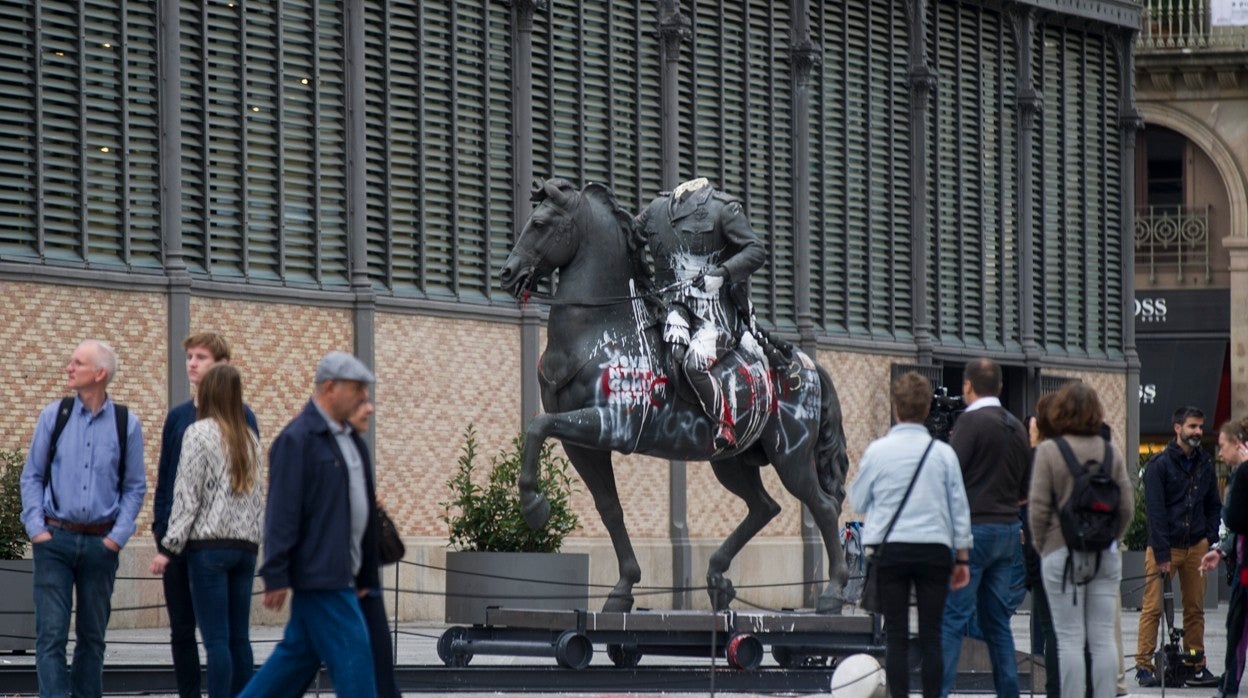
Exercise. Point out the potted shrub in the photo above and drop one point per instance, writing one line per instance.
(17, 599)
(497, 559)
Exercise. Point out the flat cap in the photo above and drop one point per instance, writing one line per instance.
(341, 366)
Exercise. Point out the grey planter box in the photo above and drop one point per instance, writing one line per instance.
(547, 581)
(1132, 587)
(17, 605)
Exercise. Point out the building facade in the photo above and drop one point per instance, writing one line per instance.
(935, 180)
(1191, 235)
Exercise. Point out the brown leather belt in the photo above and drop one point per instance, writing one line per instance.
(99, 529)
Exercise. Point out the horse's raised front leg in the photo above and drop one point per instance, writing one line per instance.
(746, 482)
(578, 426)
(594, 467)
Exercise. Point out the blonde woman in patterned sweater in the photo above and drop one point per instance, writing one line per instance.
(217, 511)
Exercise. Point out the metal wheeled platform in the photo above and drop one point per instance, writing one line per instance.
(796, 639)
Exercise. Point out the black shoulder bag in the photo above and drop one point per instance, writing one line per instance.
(390, 548)
(871, 583)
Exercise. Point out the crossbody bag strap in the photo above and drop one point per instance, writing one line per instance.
(909, 489)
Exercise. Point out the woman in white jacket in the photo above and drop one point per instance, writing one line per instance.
(218, 508)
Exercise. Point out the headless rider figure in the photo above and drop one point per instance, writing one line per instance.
(699, 235)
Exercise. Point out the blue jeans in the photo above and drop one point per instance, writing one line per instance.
(221, 592)
(995, 561)
(324, 626)
(69, 563)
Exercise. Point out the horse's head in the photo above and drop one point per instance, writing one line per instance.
(547, 241)
(563, 219)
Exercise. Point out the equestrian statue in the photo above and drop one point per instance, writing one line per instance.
(672, 365)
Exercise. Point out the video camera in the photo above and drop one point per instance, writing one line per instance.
(944, 412)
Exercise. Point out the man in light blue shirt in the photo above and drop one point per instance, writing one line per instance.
(79, 511)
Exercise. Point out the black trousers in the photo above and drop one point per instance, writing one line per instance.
(182, 643)
(374, 609)
(1236, 642)
(1042, 625)
(925, 569)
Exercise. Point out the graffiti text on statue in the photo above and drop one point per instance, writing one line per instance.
(629, 380)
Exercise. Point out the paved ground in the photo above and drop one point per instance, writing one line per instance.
(417, 646)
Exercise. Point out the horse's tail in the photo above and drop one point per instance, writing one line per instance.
(831, 455)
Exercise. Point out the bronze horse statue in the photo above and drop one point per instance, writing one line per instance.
(604, 388)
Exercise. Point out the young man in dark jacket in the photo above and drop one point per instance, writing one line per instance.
(320, 540)
(203, 351)
(1181, 499)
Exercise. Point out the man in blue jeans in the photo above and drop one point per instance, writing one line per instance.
(81, 493)
(320, 540)
(993, 450)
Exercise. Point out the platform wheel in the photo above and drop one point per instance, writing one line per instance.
(624, 656)
(744, 652)
(573, 650)
(447, 654)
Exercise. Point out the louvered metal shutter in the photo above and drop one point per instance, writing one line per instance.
(1079, 184)
(860, 141)
(80, 113)
(264, 142)
(438, 94)
(596, 97)
(736, 129)
(973, 208)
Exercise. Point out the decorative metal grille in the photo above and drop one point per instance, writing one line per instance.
(1173, 238)
(1176, 25)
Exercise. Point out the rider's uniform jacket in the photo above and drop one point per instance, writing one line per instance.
(692, 236)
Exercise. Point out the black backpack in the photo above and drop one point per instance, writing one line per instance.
(1089, 517)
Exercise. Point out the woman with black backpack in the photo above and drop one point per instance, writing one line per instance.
(1077, 536)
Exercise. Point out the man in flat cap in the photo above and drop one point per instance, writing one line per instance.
(320, 540)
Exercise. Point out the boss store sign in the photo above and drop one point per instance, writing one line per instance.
(1182, 338)
(1204, 311)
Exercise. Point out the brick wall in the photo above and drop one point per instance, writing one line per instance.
(435, 377)
(41, 324)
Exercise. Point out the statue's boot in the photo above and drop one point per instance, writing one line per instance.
(715, 404)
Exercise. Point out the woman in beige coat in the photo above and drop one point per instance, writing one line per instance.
(1082, 587)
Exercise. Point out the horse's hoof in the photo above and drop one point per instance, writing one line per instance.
(830, 605)
(536, 512)
(618, 603)
(722, 594)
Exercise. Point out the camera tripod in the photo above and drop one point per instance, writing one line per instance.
(1174, 666)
